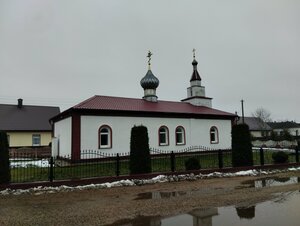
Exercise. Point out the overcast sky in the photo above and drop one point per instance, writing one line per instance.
(61, 52)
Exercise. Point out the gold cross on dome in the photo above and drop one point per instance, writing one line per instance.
(149, 56)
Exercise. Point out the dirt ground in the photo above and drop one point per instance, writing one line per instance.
(105, 206)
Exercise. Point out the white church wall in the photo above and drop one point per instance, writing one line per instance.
(197, 132)
(200, 132)
(197, 101)
(62, 131)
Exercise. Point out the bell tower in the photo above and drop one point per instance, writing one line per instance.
(196, 92)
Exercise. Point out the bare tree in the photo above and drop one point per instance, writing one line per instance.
(262, 114)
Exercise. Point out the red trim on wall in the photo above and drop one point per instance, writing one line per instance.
(53, 128)
(76, 137)
(184, 137)
(110, 137)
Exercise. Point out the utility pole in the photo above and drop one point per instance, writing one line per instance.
(243, 118)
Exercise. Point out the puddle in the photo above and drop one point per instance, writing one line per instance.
(261, 183)
(161, 195)
(269, 182)
(284, 210)
(168, 195)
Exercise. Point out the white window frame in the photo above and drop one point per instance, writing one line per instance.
(180, 131)
(163, 131)
(34, 137)
(214, 131)
(108, 135)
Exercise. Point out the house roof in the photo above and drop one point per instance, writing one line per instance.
(26, 118)
(255, 124)
(98, 104)
(284, 125)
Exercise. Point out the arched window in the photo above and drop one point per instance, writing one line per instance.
(105, 137)
(163, 136)
(214, 135)
(180, 135)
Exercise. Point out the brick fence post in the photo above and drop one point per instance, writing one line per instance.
(118, 165)
(262, 156)
(172, 162)
(220, 158)
(51, 172)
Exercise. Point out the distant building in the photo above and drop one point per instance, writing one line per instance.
(27, 126)
(257, 127)
(104, 123)
(292, 127)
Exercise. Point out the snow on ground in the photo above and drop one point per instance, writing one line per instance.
(158, 179)
(14, 163)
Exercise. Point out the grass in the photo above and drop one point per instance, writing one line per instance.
(160, 164)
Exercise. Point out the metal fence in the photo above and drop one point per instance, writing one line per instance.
(28, 167)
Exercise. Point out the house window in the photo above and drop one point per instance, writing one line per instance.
(36, 140)
(105, 137)
(214, 135)
(163, 136)
(180, 135)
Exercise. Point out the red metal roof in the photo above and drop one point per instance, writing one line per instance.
(140, 105)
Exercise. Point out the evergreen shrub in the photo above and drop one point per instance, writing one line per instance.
(241, 146)
(4, 159)
(140, 159)
(280, 157)
(192, 164)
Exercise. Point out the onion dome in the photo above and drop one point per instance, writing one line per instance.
(149, 81)
(195, 75)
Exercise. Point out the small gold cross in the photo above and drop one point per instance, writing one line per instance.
(149, 56)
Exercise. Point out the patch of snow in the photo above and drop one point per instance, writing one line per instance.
(247, 173)
(134, 182)
(29, 163)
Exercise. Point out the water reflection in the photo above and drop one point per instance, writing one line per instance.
(197, 217)
(162, 195)
(167, 195)
(246, 212)
(270, 182)
(203, 217)
(281, 211)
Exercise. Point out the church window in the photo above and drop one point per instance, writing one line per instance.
(163, 136)
(105, 137)
(180, 135)
(214, 135)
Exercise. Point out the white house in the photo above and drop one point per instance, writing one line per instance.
(104, 123)
(257, 127)
(292, 127)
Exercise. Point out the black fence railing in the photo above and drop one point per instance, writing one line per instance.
(29, 168)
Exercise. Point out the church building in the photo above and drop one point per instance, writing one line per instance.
(104, 123)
